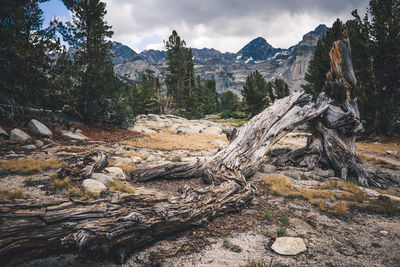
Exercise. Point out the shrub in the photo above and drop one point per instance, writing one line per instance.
(285, 219)
(281, 232)
(268, 214)
(28, 166)
(176, 159)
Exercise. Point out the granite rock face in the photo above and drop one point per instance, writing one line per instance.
(19, 135)
(39, 129)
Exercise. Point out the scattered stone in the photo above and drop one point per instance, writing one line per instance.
(3, 134)
(93, 186)
(14, 155)
(39, 129)
(212, 130)
(103, 178)
(268, 168)
(384, 232)
(29, 147)
(324, 173)
(116, 173)
(152, 158)
(142, 129)
(219, 142)
(300, 227)
(19, 135)
(39, 143)
(74, 134)
(391, 152)
(280, 151)
(289, 246)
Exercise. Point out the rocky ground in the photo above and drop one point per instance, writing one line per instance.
(336, 223)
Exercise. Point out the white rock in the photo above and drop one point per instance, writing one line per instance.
(391, 152)
(39, 129)
(93, 186)
(289, 246)
(3, 134)
(74, 134)
(152, 158)
(103, 178)
(116, 173)
(39, 143)
(213, 130)
(142, 129)
(268, 168)
(29, 147)
(220, 142)
(19, 135)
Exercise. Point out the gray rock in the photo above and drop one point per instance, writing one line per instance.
(289, 246)
(324, 173)
(391, 152)
(116, 173)
(39, 143)
(74, 134)
(268, 168)
(212, 130)
(94, 186)
(14, 155)
(142, 129)
(220, 142)
(103, 178)
(29, 147)
(19, 135)
(39, 129)
(3, 134)
(152, 158)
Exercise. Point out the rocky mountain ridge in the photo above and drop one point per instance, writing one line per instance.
(229, 70)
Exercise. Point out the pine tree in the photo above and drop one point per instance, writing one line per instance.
(25, 53)
(255, 93)
(87, 35)
(279, 89)
(385, 32)
(229, 102)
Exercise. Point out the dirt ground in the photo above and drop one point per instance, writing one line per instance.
(356, 237)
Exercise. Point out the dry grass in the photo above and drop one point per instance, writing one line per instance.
(73, 149)
(74, 192)
(377, 161)
(171, 141)
(11, 194)
(29, 181)
(334, 197)
(121, 187)
(127, 168)
(61, 183)
(379, 147)
(28, 166)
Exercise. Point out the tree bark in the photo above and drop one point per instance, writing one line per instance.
(121, 223)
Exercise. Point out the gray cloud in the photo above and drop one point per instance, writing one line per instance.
(226, 25)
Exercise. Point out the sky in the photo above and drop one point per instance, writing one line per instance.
(226, 25)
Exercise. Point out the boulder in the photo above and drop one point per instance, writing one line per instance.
(280, 151)
(391, 152)
(74, 134)
(39, 143)
(268, 168)
(29, 147)
(142, 129)
(116, 173)
(324, 173)
(152, 158)
(19, 135)
(101, 177)
(3, 134)
(39, 129)
(212, 130)
(93, 186)
(289, 246)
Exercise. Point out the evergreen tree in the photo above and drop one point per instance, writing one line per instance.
(25, 53)
(87, 33)
(320, 64)
(385, 33)
(229, 102)
(278, 89)
(144, 97)
(255, 93)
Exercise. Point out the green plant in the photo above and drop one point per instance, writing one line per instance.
(268, 214)
(176, 159)
(285, 219)
(226, 243)
(29, 181)
(281, 232)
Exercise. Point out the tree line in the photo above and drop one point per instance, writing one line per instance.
(374, 40)
(37, 71)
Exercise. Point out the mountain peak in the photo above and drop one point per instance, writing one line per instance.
(320, 30)
(257, 49)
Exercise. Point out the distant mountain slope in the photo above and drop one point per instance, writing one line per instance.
(229, 70)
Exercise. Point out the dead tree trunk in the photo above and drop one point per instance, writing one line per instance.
(121, 223)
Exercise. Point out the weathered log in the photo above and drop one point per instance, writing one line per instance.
(109, 227)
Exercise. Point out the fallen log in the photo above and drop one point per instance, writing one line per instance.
(121, 223)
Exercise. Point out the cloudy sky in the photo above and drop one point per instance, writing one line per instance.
(226, 25)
